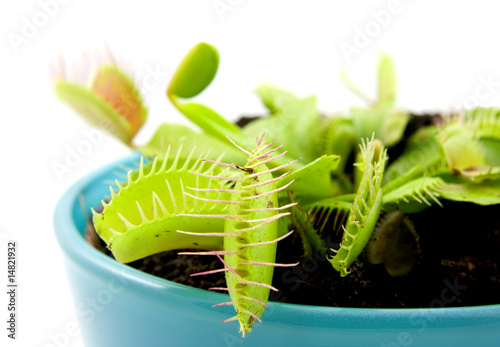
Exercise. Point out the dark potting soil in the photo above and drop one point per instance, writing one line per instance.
(458, 263)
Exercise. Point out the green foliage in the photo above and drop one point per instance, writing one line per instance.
(173, 135)
(337, 137)
(386, 79)
(291, 118)
(485, 124)
(394, 243)
(365, 208)
(379, 118)
(252, 234)
(461, 150)
(422, 151)
(414, 196)
(194, 74)
(142, 217)
(313, 180)
(111, 103)
(239, 208)
(483, 193)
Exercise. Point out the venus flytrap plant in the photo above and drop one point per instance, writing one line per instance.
(184, 197)
(301, 221)
(109, 99)
(422, 152)
(414, 196)
(250, 233)
(172, 135)
(394, 243)
(110, 102)
(365, 208)
(337, 138)
(461, 150)
(380, 118)
(142, 217)
(290, 118)
(445, 159)
(485, 124)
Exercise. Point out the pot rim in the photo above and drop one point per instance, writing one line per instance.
(78, 250)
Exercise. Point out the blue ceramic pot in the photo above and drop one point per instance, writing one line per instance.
(120, 306)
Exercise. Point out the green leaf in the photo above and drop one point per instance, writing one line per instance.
(380, 118)
(250, 235)
(483, 193)
(196, 71)
(422, 151)
(491, 151)
(310, 238)
(485, 124)
(306, 124)
(414, 196)
(461, 150)
(111, 103)
(365, 209)
(393, 127)
(143, 216)
(394, 243)
(407, 177)
(275, 99)
(337, 137)
(320, 211)
(292, 118)
(174, 135)
(481, 173)
(314, 179)
(276, 130)
(386, 79)
(369, 121)
(213, 123)
(193, 75)
(94, 109)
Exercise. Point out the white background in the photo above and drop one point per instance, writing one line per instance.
(442, 51)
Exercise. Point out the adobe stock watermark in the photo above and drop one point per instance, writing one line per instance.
(222, 7)
(232, 340)
(483, 91)
(32, 25)
(65, 337)
(93, 305)
(75, 155)
(86, 311)
(450, 292)
(363, 35)
(152, 79)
